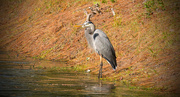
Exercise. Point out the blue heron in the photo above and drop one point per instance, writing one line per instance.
(99, 41)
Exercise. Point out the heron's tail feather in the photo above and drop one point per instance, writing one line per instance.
(112, 62)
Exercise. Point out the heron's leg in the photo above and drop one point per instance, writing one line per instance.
(101, 65)
(100, 83)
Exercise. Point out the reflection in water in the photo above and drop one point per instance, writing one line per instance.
(100, 88)
(25, 79)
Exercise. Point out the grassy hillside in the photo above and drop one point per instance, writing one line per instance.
(144, 33)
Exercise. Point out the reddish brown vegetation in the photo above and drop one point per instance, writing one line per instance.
(147, 46)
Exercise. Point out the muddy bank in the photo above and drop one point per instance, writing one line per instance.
(145, 37)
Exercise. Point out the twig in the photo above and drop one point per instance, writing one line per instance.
(88, 15)
(113, 12)
(94, 10)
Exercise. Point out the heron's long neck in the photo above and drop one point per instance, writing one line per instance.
(89, 37)
(92, 28)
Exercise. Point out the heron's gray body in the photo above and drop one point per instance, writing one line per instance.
(99, 41)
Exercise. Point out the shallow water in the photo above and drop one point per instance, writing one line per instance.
(26, 79)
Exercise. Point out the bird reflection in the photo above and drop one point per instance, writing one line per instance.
(100, 88)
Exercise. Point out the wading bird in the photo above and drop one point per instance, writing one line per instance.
(99, 41)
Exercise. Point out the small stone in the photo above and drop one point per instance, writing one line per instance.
(88, 71)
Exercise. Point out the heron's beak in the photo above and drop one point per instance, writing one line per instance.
(77, 26)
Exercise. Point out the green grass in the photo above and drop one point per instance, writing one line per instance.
(113, 1)
(152, 6)
(46, 52)
(117, 21)
(104, 1)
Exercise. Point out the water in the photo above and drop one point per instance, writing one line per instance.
(33, 79)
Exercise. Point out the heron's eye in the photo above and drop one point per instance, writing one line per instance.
(87, 24)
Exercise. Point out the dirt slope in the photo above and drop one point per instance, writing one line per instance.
(145, 36)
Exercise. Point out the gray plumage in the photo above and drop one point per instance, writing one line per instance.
(99, 41)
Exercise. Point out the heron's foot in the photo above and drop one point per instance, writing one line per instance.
(100, 71)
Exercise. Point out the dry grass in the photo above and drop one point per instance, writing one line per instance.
(146, 40)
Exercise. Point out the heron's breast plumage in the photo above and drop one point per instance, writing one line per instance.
(89, 38)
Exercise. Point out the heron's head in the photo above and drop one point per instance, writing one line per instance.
(88, 24)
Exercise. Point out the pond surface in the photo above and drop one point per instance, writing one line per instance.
(33, 79)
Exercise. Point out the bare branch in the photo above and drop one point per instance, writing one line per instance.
(94, 10)
(85, 12)
(88, 15)
(113, 12)
(97, 8)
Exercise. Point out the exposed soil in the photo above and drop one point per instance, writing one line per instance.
(145, 37)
